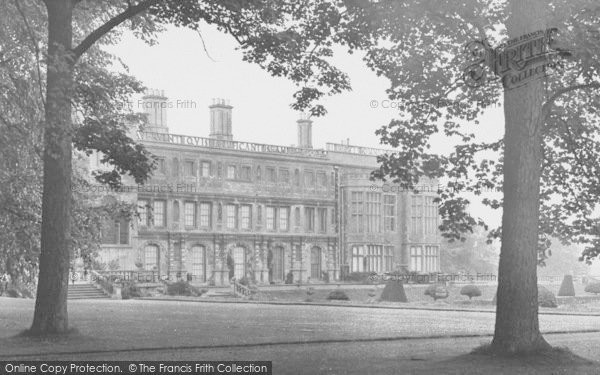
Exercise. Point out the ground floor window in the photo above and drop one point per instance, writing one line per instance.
(315, 263)
(151, 257)
(424, 258)
(372, 258)
(198, 263)
(239, 262)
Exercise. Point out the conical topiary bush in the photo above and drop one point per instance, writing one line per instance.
(567, 289)
(393, 292)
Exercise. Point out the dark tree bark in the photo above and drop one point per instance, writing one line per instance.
(517, 327)
(51, 302)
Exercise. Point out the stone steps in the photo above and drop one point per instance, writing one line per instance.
(85, 291)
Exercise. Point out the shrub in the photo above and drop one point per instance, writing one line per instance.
(546, 298)
(244, 281)
(183, 288)
(470, 291)
(130, 290)
(393, 292)
(567, 289)
(289, 278)
(339, 295)
(593, 288)
(437, 291)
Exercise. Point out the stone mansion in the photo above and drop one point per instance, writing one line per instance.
(218, 208)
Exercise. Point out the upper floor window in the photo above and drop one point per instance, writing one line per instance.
(115, 232)
(190, 214)
(373, 212)
(161, 167)
(205, 169)
(284, 218)
(430, 215)
(356, 212)
(284, 176)
(309, 179)
(230, 215)
(159, 209)
(245, 173)
(205, 214)
(309, 218)
(416, 209)
(321, 179)
(271, 176)
(245, 216)
(231, 172)
(189, 168)
(296, 177)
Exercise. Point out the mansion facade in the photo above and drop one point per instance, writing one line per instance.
(217, 208)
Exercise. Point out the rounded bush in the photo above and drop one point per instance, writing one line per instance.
(567, 289)
(470, 291)
(592, 288)
(546, 298)
(437, 291)
(339, 295)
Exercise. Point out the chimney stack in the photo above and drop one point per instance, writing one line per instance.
(304, 132)
(155, 106)
(220, 119)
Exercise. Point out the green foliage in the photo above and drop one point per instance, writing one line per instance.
(470, 291)
(592, 288)
(546, 298)
(338, 294)
(567, 289)
(183, 288)
(437, 291)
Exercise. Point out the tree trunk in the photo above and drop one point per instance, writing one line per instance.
(517, 327)
(51, 303)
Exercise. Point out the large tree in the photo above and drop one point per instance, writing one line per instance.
(97, 93)
(546, 162)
